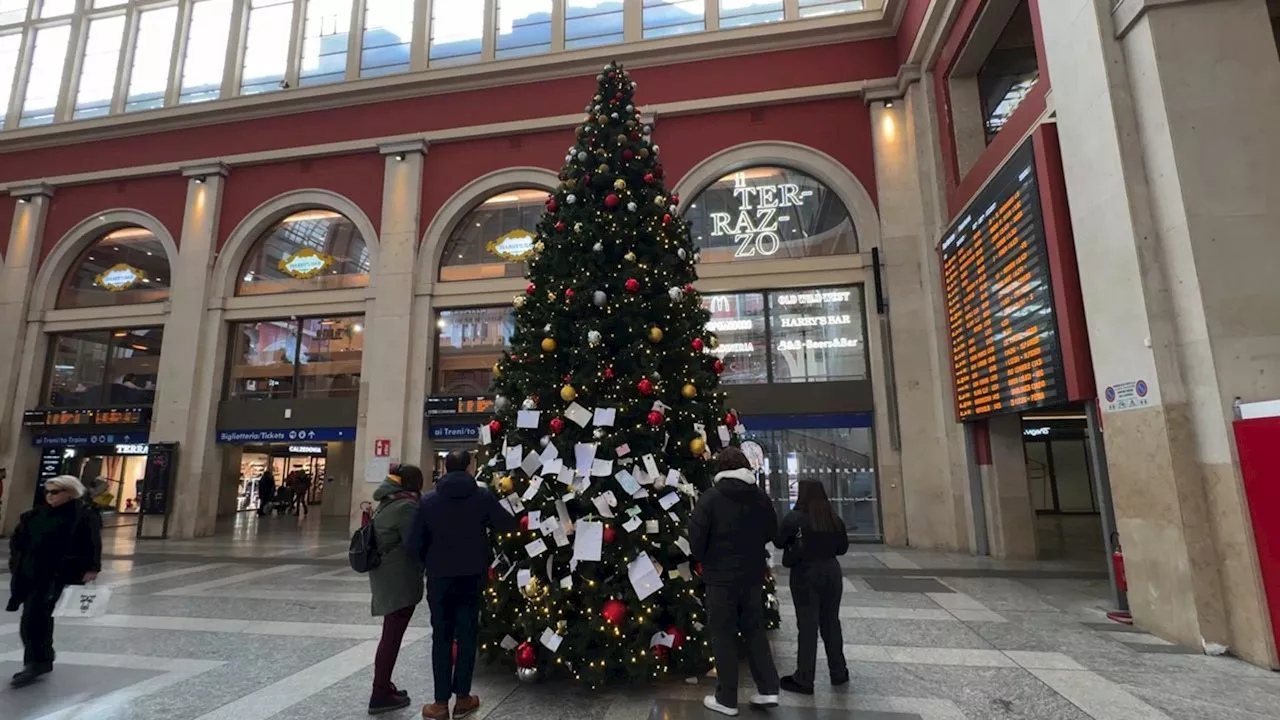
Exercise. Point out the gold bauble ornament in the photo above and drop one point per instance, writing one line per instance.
(505, 485)
(643, 152)
(630, 257)
(622, 139)
(620, 184)
(570, 184)
(562, 627)
(697, 446)
(497, 369)
(548, 345)
(603, 169)
(551, 294)
(568, 394)
(534, 588)
(655, 334)
(715, 342)
(602, 119)
(689, 391)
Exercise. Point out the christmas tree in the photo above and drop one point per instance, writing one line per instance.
(606, 417)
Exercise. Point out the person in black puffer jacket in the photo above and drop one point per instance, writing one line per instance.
(812, 536)
(731, 526)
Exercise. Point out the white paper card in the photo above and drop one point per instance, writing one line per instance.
(644, 577)
(683, 544)
(724, 435)
(581, 485)
(549, 453)
(536, 548)
(554, 466)
(701, 430)
(522, 578)
(532, 492)
(623, 450)
(601, 468)
(609, 498)
(528, 418)
(673, 477)
(628, 483)
(669, 500)
(513, 504)
(631, 525)
(566, 476)
(514, 456)
(587, 541)
(566, 582)
(531, 463)
(643, 477)
(486, 437)
(660, 407)
(535, 518)
(661, 638)
(545, 525)
(559, 536)
(602, 506)
(683, 569)
(562, 512)
(509, 643)
(650, 465)
(578, 414)
(605, 417)
(550, 640)
(651, 527)
(584, 454)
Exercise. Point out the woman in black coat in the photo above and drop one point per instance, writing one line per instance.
(812, 536)
(55, 545)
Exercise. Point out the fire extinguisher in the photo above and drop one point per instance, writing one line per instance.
(1117, 564)
(366, 513)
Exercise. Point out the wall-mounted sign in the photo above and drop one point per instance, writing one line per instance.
(514, 246)
(235, 437)
(132, 449)
(306, 450)
(119, 277)
(455, 432)
(37, 419)
(458, 405)
(109, 439)
(305, 264)
(761, 215)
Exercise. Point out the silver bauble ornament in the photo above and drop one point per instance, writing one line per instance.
(675, 293)
(598, 247)
(656, 149)
(527, 676)
(631, 108)
(544, 441)
(594, 337)
(681, 252)
(631, 206)
(648, 129)
(546, 328)
(614, 116)
(598, 433)
(571, 199)
(599, 298)
(518, 301)
(527, 404)
(500, 403)
(582, 156)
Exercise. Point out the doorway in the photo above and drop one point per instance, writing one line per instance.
(1063, 495)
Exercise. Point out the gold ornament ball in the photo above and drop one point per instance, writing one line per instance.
(548, 344)
(715, 342)
(643, 152)
(697, 446)
(603, 169)
(506, 485)
(568, 394)
(630, 257)
(602, 119)
(533, 589)
(655, 334)
(620, 184)
(497, 369)
(689, 391)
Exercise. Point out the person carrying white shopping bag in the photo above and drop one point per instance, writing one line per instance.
(57, 546)
(83, 601)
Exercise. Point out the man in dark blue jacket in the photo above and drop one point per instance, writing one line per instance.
(451, 537)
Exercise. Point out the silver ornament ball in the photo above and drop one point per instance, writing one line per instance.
(681, 252)
(599, 297)
(571, 199)
(593, 337)
(527, 404)
(544, 441)
(675, 293)
(527, 676)
(631, 206)
(598, 247)
(582, 156)
(500, 403)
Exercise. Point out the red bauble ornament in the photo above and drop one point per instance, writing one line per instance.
(524, 521)
(530, 289)
(560, 226)
(697, 569)
(632, 285)
(718, 366)
(609, 534)
(627, 154)
(648, 178)
(645, 386)
(557, 425)
(688, 288)
(660, 652)
(658, 171)
(730, 419)
(655, 418)
(568, 294)
(608, 373)
(551, 205)
(697, 344)
(611, 200)
(675, 198)
(614, 611)
(666, 219)
(613, 76)
(493, 574)
(677, 637)
(495, 426)
(617, 96)
(526, 655)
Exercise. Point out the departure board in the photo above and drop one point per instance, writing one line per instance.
(999, 297)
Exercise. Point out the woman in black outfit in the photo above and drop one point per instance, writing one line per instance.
(55, 545)
(812, 536)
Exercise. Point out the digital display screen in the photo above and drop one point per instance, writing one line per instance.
(456, 405)
(87, 418)
(999, 299)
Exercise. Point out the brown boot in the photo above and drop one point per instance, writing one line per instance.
(466, 705)
(436, 711)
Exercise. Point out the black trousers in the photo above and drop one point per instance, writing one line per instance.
(816, 589)
(36, 626)
(732, 610)
(455, 615)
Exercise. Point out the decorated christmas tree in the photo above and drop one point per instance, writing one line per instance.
(607, 415)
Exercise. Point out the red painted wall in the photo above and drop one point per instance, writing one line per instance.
(7, 205)
(358, 177)
(164, 197)
(685, 81)
(841, 128)
(912, 20)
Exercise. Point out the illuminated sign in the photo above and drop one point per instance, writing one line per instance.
(999, 299)
(819, 344)
(817, 297)
(761, 212)
(119, 277)
(305, 264)
(816, 321)
(306, 450)
(85, 418)
(513, 246)
(132, 449)
(1036, 432)
(458, 405)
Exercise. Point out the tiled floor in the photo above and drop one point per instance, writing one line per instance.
(267, 622)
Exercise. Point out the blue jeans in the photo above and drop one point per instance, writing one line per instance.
(455, 615)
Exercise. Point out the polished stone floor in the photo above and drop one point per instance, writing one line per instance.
(267, 622)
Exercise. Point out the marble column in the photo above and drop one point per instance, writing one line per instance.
(17, 354)
(187, 387)
(389, 330)
(930, 505)
(1167, 118)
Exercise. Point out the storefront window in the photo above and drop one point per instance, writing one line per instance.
(492, 240)
(123, 267)
(470, 342)
(766, 213)
(308, 250)
(739, 324)
(281, 359)
(817, 335)
(103, 368)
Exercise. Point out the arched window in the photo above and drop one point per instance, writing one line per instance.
(492, 240)
(763, 213)
(315, 249)
(124, 267)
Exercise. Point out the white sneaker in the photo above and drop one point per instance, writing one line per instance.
(764, 701)
(709, 702)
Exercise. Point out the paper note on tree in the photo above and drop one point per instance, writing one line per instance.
(587, 541)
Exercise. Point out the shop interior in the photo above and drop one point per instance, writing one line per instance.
(1063, 494)
(120, 469)
(324, 469)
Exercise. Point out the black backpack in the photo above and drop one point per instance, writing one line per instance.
(363, 552)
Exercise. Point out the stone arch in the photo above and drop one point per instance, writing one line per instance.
(821, 166)
(250, 229)
(44, 292)
(464, 200)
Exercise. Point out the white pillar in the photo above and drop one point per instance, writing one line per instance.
(389, 327)
(187, 388)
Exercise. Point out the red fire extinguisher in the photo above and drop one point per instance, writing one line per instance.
(1117, 564)
(366, 513)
